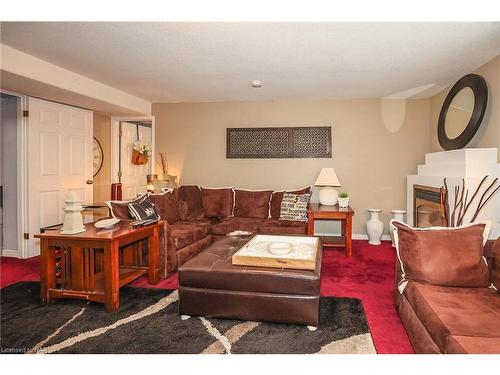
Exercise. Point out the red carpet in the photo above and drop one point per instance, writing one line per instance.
(367, 275)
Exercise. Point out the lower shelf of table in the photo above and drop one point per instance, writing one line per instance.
(333, 241)
(127, 275)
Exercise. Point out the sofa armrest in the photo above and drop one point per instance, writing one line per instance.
(168, 256)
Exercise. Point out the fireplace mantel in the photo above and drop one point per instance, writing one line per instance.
(470, 164)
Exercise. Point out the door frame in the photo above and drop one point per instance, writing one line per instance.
(115, 147)
(22, 177)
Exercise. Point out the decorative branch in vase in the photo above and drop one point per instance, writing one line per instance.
(461, 202)
(164, 164)
(168, 181)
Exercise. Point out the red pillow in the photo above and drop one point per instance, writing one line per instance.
(217, 203)
(189, 203)
(166, 205)
(248, 203)
(443, 256)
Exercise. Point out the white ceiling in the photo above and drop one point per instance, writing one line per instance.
(190, 62)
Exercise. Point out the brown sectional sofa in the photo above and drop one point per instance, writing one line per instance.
(196, 216)
(441, 319)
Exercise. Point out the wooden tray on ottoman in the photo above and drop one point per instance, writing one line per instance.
(255, 252)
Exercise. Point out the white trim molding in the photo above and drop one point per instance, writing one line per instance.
(10, 253)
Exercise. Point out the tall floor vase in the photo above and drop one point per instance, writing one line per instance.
(398, 215)
(374, 227)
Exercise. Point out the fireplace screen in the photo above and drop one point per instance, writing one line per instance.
(427, 209)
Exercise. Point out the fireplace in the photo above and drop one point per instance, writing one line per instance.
(427, 211)
(461, 168)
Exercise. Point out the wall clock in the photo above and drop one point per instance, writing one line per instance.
(98, 156)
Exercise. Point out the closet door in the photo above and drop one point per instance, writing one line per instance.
(59, 161)
(133, 176)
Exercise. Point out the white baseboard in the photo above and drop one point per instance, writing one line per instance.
(10, 253)
(355, 236)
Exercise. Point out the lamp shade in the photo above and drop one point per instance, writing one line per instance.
(327, 177)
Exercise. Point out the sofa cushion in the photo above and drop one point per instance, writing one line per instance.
(443, 256)
(217, 203)
(273, 226)
(294, 207)
(277, 197)
(230, 224)
(205, 222)
(252, 203)
(448, 311)
(166, 205)
(472, 345)
(189, 202)
(492, 254)
(187, 233)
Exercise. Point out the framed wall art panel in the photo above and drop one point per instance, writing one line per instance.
(279, 142)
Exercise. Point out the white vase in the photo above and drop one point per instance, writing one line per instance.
(398, 215)
(374, 227)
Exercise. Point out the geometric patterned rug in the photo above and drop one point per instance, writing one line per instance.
(148, 323)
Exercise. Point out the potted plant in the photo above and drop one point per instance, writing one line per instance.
(343, 200)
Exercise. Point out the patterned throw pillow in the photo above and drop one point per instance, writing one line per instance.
(294, 207)
(143, 210)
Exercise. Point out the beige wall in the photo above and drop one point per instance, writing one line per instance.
(375, 145)
(102, 181)
(488, 134)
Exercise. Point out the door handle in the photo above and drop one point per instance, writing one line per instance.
(90, 182)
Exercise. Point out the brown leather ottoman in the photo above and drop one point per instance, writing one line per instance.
(210, 286)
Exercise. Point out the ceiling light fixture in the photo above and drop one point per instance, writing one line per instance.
(256, 84)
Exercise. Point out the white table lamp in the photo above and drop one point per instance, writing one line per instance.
(328, 180)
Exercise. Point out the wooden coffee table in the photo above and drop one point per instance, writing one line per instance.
(95, 264)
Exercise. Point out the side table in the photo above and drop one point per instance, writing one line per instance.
(318, 211)
(95, 264)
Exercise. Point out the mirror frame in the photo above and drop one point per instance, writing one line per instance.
(480, 90)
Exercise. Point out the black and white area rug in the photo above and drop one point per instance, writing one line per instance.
(148, 322)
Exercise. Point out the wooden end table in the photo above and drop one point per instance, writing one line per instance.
(95, 264)
(321, 212)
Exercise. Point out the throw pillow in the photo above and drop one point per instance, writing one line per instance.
(166, 205)
(294, 207)
(144, 210)
(217, 203)
(442, 256)
(277, 197)
(189, 202)
(120, 210)
(248, 203)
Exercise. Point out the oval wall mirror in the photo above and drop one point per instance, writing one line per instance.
(462, 112)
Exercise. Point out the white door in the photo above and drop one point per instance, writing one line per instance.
(59, 161)
(133, 177)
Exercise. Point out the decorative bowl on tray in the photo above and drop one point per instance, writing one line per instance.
(280, 248)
